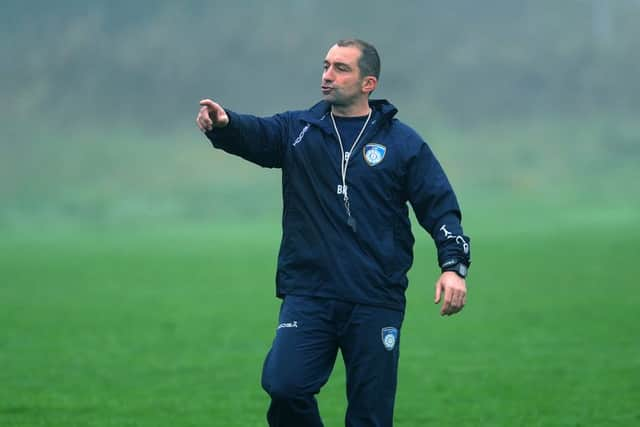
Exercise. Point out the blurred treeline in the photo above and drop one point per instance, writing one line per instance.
(515, 96)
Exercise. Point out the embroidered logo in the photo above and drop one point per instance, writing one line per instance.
(299, 138)
(389, 337)
(374, 153)
(459, 239)
(293, 324)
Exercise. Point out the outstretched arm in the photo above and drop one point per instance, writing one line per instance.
(256, 139)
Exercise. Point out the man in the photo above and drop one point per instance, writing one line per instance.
(348, 170)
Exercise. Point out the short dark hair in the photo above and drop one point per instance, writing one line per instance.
(369, 61)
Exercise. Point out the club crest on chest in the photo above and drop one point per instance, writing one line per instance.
(374, 153)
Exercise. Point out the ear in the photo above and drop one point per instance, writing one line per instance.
(369, 84)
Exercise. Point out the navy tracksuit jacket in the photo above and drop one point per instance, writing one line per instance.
(320, 255)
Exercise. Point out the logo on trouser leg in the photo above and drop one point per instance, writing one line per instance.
(389, 337)
(293, 324)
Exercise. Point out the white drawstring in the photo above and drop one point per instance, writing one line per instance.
(344, 164)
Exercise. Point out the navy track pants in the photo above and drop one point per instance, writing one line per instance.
(308, 337)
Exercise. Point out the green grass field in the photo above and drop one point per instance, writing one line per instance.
(168, 326)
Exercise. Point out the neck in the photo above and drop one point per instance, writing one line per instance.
(351, 110)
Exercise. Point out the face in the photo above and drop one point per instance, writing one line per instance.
(342, 84)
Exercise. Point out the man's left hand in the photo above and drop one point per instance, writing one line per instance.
(455, 293)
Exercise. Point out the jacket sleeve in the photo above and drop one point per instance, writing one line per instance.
(436, 207)
(259, 140)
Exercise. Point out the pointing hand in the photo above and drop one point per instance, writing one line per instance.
(211, 115)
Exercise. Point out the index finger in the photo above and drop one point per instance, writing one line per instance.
(209, 104)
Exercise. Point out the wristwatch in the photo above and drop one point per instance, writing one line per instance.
(460, 268)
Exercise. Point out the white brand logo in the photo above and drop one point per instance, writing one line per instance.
(293, 324)
(299, 138)
(459, 239)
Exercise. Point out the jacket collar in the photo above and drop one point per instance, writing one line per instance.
(383, 111)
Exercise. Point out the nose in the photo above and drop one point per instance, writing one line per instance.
(327, 75)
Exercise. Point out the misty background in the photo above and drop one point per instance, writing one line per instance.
(531, 106)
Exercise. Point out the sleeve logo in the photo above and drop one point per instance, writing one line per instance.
(299, 138)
